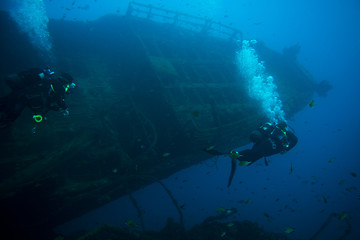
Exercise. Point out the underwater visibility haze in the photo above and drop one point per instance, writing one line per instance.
(161, 84)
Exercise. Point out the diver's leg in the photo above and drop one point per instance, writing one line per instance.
(249, 155)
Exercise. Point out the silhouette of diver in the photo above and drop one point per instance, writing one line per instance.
(269, 139)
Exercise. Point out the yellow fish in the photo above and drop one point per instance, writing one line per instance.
(195, 113)
(312, 103)
(228, 211)
(230, 224)
(324, 199)
(244, 163)
(130, 223)
(166, 154)
(343, 216)
(289, 230)
(209, 148)
(220, 209)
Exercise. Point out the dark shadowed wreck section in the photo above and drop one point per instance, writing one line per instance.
(150, 97)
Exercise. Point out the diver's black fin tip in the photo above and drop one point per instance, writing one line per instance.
(232, 173)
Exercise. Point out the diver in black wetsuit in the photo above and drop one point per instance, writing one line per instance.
(38, 89)
(268, 140)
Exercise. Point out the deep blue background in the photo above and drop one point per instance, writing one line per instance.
(329, 34)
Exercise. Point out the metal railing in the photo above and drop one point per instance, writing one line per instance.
(198, 24)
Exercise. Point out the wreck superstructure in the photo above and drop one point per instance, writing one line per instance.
(151, 96)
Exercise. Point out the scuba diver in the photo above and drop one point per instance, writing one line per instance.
(269, 139)
(38, 89)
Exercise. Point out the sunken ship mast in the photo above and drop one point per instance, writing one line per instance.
(155, 88)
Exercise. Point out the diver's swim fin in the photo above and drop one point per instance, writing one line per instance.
(233, 169)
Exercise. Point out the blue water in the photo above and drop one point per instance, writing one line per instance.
(329, 35)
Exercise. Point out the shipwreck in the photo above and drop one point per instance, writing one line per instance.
(155, 88)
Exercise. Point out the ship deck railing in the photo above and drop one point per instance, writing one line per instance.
(187, 21)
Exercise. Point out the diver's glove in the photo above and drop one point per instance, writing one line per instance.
(234, 154)
(66, 112)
